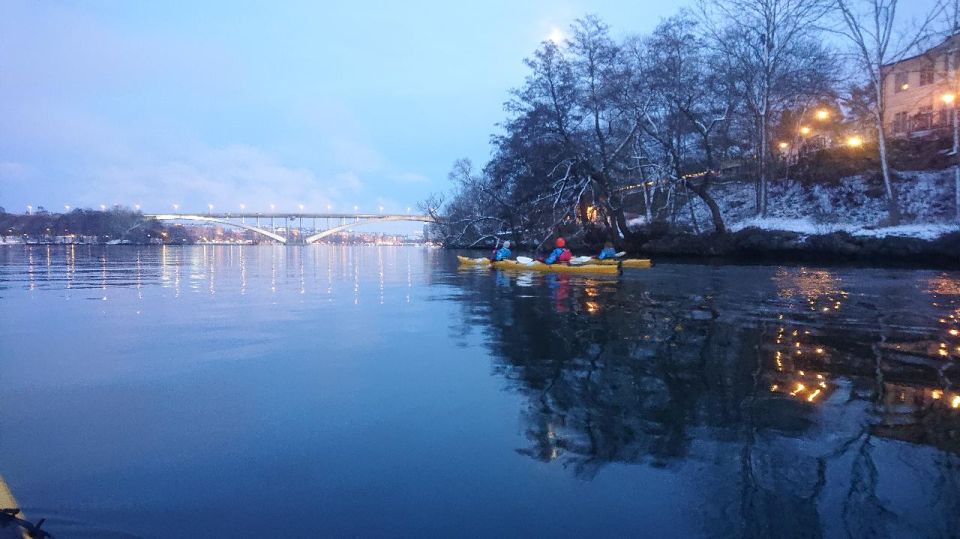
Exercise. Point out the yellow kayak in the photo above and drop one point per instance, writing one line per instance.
(466, 261)
(559, 268)
(625, 263)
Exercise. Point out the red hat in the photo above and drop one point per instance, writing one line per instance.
(561, 242)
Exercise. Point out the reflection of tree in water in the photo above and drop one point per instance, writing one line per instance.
(669, 373)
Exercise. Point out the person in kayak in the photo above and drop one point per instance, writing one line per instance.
(560, 253)
(502, 253)
(607, 252)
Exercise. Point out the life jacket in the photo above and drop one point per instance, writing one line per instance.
(565, 256)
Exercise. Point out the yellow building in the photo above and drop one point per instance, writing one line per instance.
(914, 90)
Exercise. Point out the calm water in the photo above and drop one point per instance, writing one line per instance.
(296, 392)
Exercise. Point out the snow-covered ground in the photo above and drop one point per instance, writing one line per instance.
(926, 231)
(855, 205)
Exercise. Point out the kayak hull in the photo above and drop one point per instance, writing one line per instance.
(626, 263)
(556, 268)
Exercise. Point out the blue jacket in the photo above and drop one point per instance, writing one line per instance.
(608, 252)
(501, 254)
(554, 255)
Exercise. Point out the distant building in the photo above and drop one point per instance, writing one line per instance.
(914, 90)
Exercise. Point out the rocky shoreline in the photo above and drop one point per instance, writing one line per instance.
(758, 245)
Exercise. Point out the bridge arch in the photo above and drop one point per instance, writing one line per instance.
(366, 220)
(208, 219)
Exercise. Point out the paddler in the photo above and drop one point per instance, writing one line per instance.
(502, 253)
(607, 252)
(560, 253)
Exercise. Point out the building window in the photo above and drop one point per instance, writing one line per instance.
(926, 75)
(901, 81)
(900, 121)
(923, 119)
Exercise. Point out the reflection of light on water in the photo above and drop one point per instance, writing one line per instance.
(955, 403)
(273, 270)
(409, 277)
(593, 307)
(243, 272)
(139, 277)
(30, 269)
(814, 286)
(329, 277)
(303, 279)
(380, 272)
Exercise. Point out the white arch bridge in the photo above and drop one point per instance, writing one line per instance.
(289, 227)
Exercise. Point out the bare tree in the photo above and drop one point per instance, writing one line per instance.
(681, 105)
(767, 43)
(870, 27)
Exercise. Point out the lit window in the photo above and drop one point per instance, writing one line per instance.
(901, 81)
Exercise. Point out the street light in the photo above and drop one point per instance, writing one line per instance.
(356, 209)
(381, 209)
(949, 98)
(243, 207)
(136, 207)
(176, 207)
(783, 146)
(29, 209)
(823, 114)
(103, 207)
(301, 207)
(804, 130)
(66, 207)
(273, 207)
(854, 141)
(210, 207)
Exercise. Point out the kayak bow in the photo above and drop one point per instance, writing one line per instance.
(465, 261)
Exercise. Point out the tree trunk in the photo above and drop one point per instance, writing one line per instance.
(893, 208)
(701, 191)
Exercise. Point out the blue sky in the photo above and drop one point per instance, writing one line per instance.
(358, 103)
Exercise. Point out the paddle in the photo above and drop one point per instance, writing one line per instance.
(525, 260)
(580, 260)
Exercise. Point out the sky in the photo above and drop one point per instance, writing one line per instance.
(341, 104)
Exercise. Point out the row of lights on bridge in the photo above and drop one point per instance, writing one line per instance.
(243, 207)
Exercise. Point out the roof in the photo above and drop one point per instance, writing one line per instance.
(927, 51)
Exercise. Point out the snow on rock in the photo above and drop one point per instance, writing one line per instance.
(854, 205)
(805, 226)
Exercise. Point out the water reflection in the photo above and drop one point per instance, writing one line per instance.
(807, 401)
(758, 401)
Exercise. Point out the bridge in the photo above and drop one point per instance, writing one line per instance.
(266, 224)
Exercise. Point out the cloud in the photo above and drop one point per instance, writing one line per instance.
(99, 112)
(411, 177)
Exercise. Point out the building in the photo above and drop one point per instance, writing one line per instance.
(920, 91)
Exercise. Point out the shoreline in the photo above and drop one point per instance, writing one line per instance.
(754, 246)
